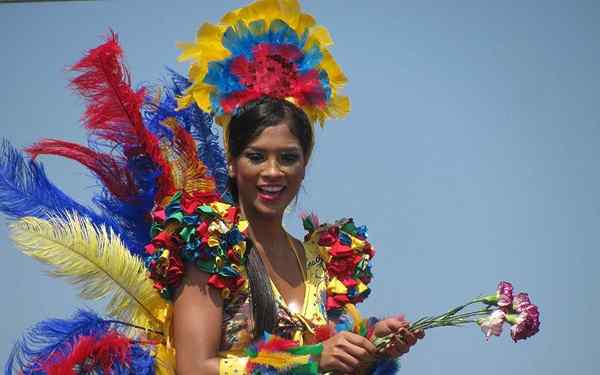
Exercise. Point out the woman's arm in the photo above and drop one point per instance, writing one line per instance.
(197, 317)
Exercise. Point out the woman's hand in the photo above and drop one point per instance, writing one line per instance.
(403, 337)
(346, 352)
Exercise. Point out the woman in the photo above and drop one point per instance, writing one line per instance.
(269, 146)
(239, 294)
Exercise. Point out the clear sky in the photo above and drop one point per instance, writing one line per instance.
(471, 152)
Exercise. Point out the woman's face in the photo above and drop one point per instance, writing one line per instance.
(269, 172)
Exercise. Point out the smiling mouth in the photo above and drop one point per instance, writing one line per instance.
(270, 193)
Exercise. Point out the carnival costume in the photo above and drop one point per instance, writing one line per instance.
(164, 203)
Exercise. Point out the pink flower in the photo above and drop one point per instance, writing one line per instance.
(520, 301)
(492, 324)
(504, 294)
(526, 323)
(503, 297)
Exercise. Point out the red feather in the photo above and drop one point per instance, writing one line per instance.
(112, 172)
(324, 332)
(90, 353)
(113, 112)
(276, 344)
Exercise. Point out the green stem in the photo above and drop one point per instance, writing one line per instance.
(425, 323)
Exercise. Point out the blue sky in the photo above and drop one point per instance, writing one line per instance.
(471, 152)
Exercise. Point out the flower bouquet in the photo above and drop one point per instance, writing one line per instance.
(494, 310)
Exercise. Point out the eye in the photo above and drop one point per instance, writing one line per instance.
(254, 157)
(289, 157)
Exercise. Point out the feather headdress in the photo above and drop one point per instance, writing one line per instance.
(268, 48)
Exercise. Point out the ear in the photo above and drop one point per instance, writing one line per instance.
(230, 169)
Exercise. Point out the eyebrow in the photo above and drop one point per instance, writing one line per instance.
(283, 149)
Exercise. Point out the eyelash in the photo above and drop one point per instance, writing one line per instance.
(286, 158)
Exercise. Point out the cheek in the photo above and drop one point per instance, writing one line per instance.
(296, 176)
(245, 173)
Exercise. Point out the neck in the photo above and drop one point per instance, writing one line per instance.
(266, 232)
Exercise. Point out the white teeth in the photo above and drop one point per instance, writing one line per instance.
(271, 189)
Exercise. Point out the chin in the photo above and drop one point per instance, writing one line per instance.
(268, 211)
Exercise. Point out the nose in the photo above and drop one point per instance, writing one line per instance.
(272, 168)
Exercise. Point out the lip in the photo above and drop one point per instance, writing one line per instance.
(270, 196)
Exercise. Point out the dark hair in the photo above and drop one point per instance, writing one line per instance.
(245, 126)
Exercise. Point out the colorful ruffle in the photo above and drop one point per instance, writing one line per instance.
(200, 230)
(347, 255)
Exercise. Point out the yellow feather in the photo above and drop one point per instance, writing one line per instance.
(95, 260)
(355, 314)
(280, 360)
(319, 34)
(188, 172)
(334, 72)
(165, 360)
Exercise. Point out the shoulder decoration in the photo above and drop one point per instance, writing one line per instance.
(268, 48)
(202, 231)
(347, 255)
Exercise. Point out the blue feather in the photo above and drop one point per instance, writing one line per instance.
(25, 190)
(386, 367)
(142, 362)
(195, 121)
(133, 214)
(52, 336)
(258, 29)
(133, 218)
(311, 59)
(281, 33)
(219, 74)
(324, 78)
(200, 125)
(240, 40)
